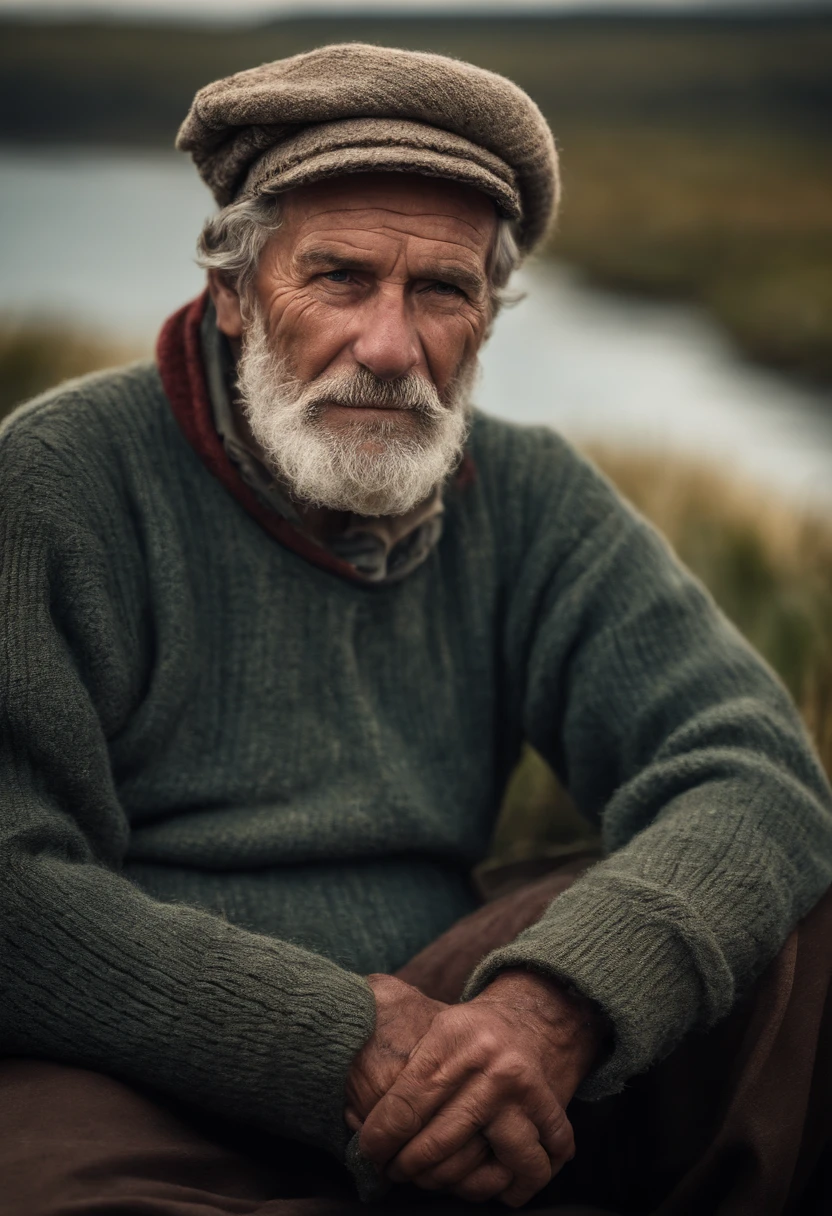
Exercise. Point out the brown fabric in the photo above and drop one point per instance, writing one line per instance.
(737, 1122)
(356, 108)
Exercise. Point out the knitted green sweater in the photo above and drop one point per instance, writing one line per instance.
(231, 781)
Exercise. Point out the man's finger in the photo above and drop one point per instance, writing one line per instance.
(556, 1135)
(421, 1089)
(458, 1166)
(391, 1123)
(484, 1183)
(448, 1131)
(514, 1142)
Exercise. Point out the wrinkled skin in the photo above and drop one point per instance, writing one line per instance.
(383, 270)
(472, 1098)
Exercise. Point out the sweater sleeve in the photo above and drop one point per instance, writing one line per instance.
(665, 725)
(93, 972)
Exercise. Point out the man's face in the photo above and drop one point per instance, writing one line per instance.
(361, 334)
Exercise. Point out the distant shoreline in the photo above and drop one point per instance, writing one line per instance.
(695, 147)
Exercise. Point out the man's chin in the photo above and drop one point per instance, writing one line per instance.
(374, 465)
(359, 424)
(359, 500)
(367, 488)
(362, 413)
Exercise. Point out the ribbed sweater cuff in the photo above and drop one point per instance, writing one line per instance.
(637, 952)
(345, 1005)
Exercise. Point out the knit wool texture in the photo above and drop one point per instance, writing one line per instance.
(233, 782)
(355, 108)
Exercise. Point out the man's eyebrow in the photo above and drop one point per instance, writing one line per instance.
(318, 259)
(469, 280)
(327, 259)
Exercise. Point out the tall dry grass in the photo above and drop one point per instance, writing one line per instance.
(768, 565)
(35, 354)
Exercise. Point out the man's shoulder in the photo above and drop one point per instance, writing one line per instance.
(83, 416)
(80, 446)
(535, 487)
(77, 452)
(514, 457)
(501, 437)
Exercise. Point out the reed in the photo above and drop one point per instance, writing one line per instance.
(35, 354)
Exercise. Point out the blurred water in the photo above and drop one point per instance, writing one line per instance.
(657, 376)
(106, 240)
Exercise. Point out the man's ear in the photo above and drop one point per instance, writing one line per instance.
(227, 305)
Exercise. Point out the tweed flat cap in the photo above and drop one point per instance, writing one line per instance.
(356, 108)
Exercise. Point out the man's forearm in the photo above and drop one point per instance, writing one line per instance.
(95, 973)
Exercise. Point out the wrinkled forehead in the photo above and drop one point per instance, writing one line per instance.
(390, 205)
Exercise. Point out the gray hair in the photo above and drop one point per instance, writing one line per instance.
(232, 240)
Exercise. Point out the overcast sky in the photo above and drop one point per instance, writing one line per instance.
(235, 9)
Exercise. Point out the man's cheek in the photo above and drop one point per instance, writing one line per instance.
(312, 335)
(449, 343)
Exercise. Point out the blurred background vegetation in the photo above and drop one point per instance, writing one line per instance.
(696, 149)
(696, 160)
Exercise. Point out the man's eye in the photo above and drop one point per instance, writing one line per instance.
(337, 276)
(446, 289)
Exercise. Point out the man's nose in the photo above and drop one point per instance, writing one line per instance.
(387, 343)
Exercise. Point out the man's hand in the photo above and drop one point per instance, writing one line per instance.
(501, 1069)
(403, 1015)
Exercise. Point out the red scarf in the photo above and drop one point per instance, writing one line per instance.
(179, 358)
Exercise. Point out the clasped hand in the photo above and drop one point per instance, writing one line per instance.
(472, 1098)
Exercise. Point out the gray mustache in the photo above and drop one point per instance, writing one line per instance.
(361, 389)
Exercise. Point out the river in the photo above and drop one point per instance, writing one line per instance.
(105, 240)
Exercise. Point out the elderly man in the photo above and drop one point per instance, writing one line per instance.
(279, 613)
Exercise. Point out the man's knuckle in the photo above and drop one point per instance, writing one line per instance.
(512, 1067)
(509, 1071)
(472, 1111)
(524, 1157)
(400, 1117)
(529, 1161)
(487, 1044)
(430, 1151)
(462, 1163)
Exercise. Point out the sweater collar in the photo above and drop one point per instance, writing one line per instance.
(185, 376)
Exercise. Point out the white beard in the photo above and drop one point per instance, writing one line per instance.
(372, 466)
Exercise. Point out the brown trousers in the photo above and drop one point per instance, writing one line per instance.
(736, 1122)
